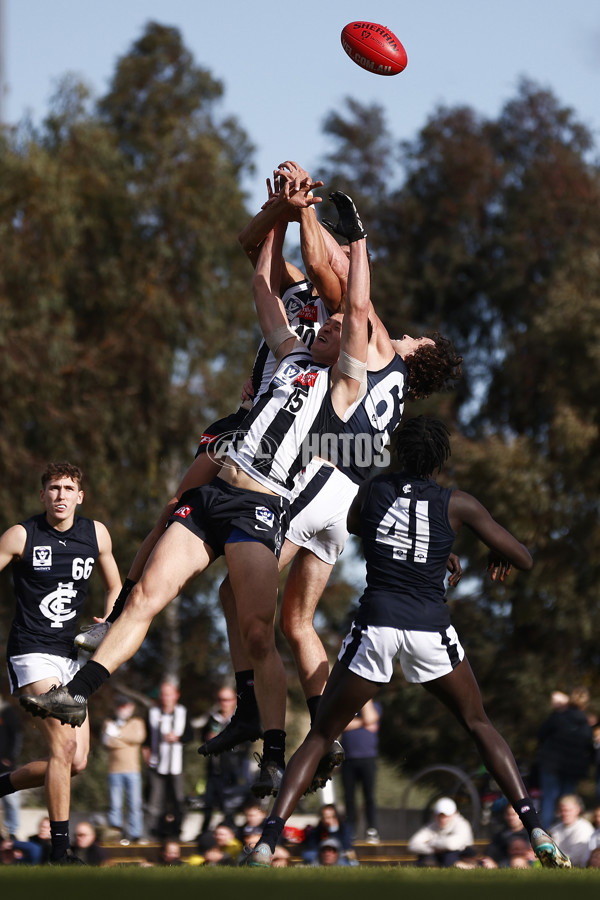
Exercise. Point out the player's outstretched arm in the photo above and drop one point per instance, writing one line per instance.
(317, 262)
(349, 375)
(505, 549)
(270, 310)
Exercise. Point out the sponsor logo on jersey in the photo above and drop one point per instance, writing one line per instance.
(57, 605)
(207, 438)
(183, 512)
(264, 515)
(309, 313)
(307, 378)
(42, 558)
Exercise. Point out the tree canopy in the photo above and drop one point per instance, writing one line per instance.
(126, 326)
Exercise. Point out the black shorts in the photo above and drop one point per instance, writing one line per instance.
(212, 511)
(217, 436)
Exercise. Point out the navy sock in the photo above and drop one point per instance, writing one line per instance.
(272, 831)
(247, 708)
(89, 678)
(274, 746)
(59, 835)
(6, 786)
(528, 814)
(121, 600)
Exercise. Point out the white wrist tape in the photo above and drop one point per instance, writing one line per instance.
(277, 337)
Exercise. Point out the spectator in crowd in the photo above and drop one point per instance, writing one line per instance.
(596, 745)
(123, 736)
(167, 730)
(11, 739)
(594, 860)
(227, 773)
(565, 752)
(573, 831)
(360, 740)
(15, 853)
(43, 838)
(507, 843)
(558, 701)
(330, 854)
(213, 851)
(595, 836)
(86, 846)
(217, 856)
(170, 853)
(445, 840)
(226, 840)
(281, 857)
(330, 825)
(254, 818)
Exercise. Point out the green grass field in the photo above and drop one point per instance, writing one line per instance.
(127, 883)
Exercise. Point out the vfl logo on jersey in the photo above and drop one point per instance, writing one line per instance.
(56, 606)
(309, 313)
(307, 378)
(293, 307)
(42, 558)
(183, 512)
(266, 516)
(287, 374)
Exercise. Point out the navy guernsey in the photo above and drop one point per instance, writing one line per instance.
(50, 583)
(367, 431)
(407, 539)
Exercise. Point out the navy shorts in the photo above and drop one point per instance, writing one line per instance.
(212, 511)
(217, 436)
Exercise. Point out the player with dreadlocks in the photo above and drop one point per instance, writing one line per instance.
(408, 524)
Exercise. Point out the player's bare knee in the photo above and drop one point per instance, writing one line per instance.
(79, 763)
(141, 604)
(259, 641)
(64, 749)
(294, 627)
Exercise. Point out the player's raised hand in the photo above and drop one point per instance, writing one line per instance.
(349, 224)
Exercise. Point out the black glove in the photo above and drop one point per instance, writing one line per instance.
(349, 225)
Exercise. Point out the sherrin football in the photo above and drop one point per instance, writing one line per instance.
(374, 48)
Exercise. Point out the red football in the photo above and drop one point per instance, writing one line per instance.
(374, 48)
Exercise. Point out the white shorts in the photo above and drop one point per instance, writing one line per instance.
(30, 667)
(369, 651)
(319, 510)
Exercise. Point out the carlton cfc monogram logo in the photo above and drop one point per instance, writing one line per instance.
(56, 606)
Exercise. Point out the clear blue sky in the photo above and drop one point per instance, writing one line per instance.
(284, 69)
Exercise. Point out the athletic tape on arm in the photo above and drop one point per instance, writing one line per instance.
(354, 368)
(278, 336)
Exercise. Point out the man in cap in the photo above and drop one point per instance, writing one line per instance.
(445, 839)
